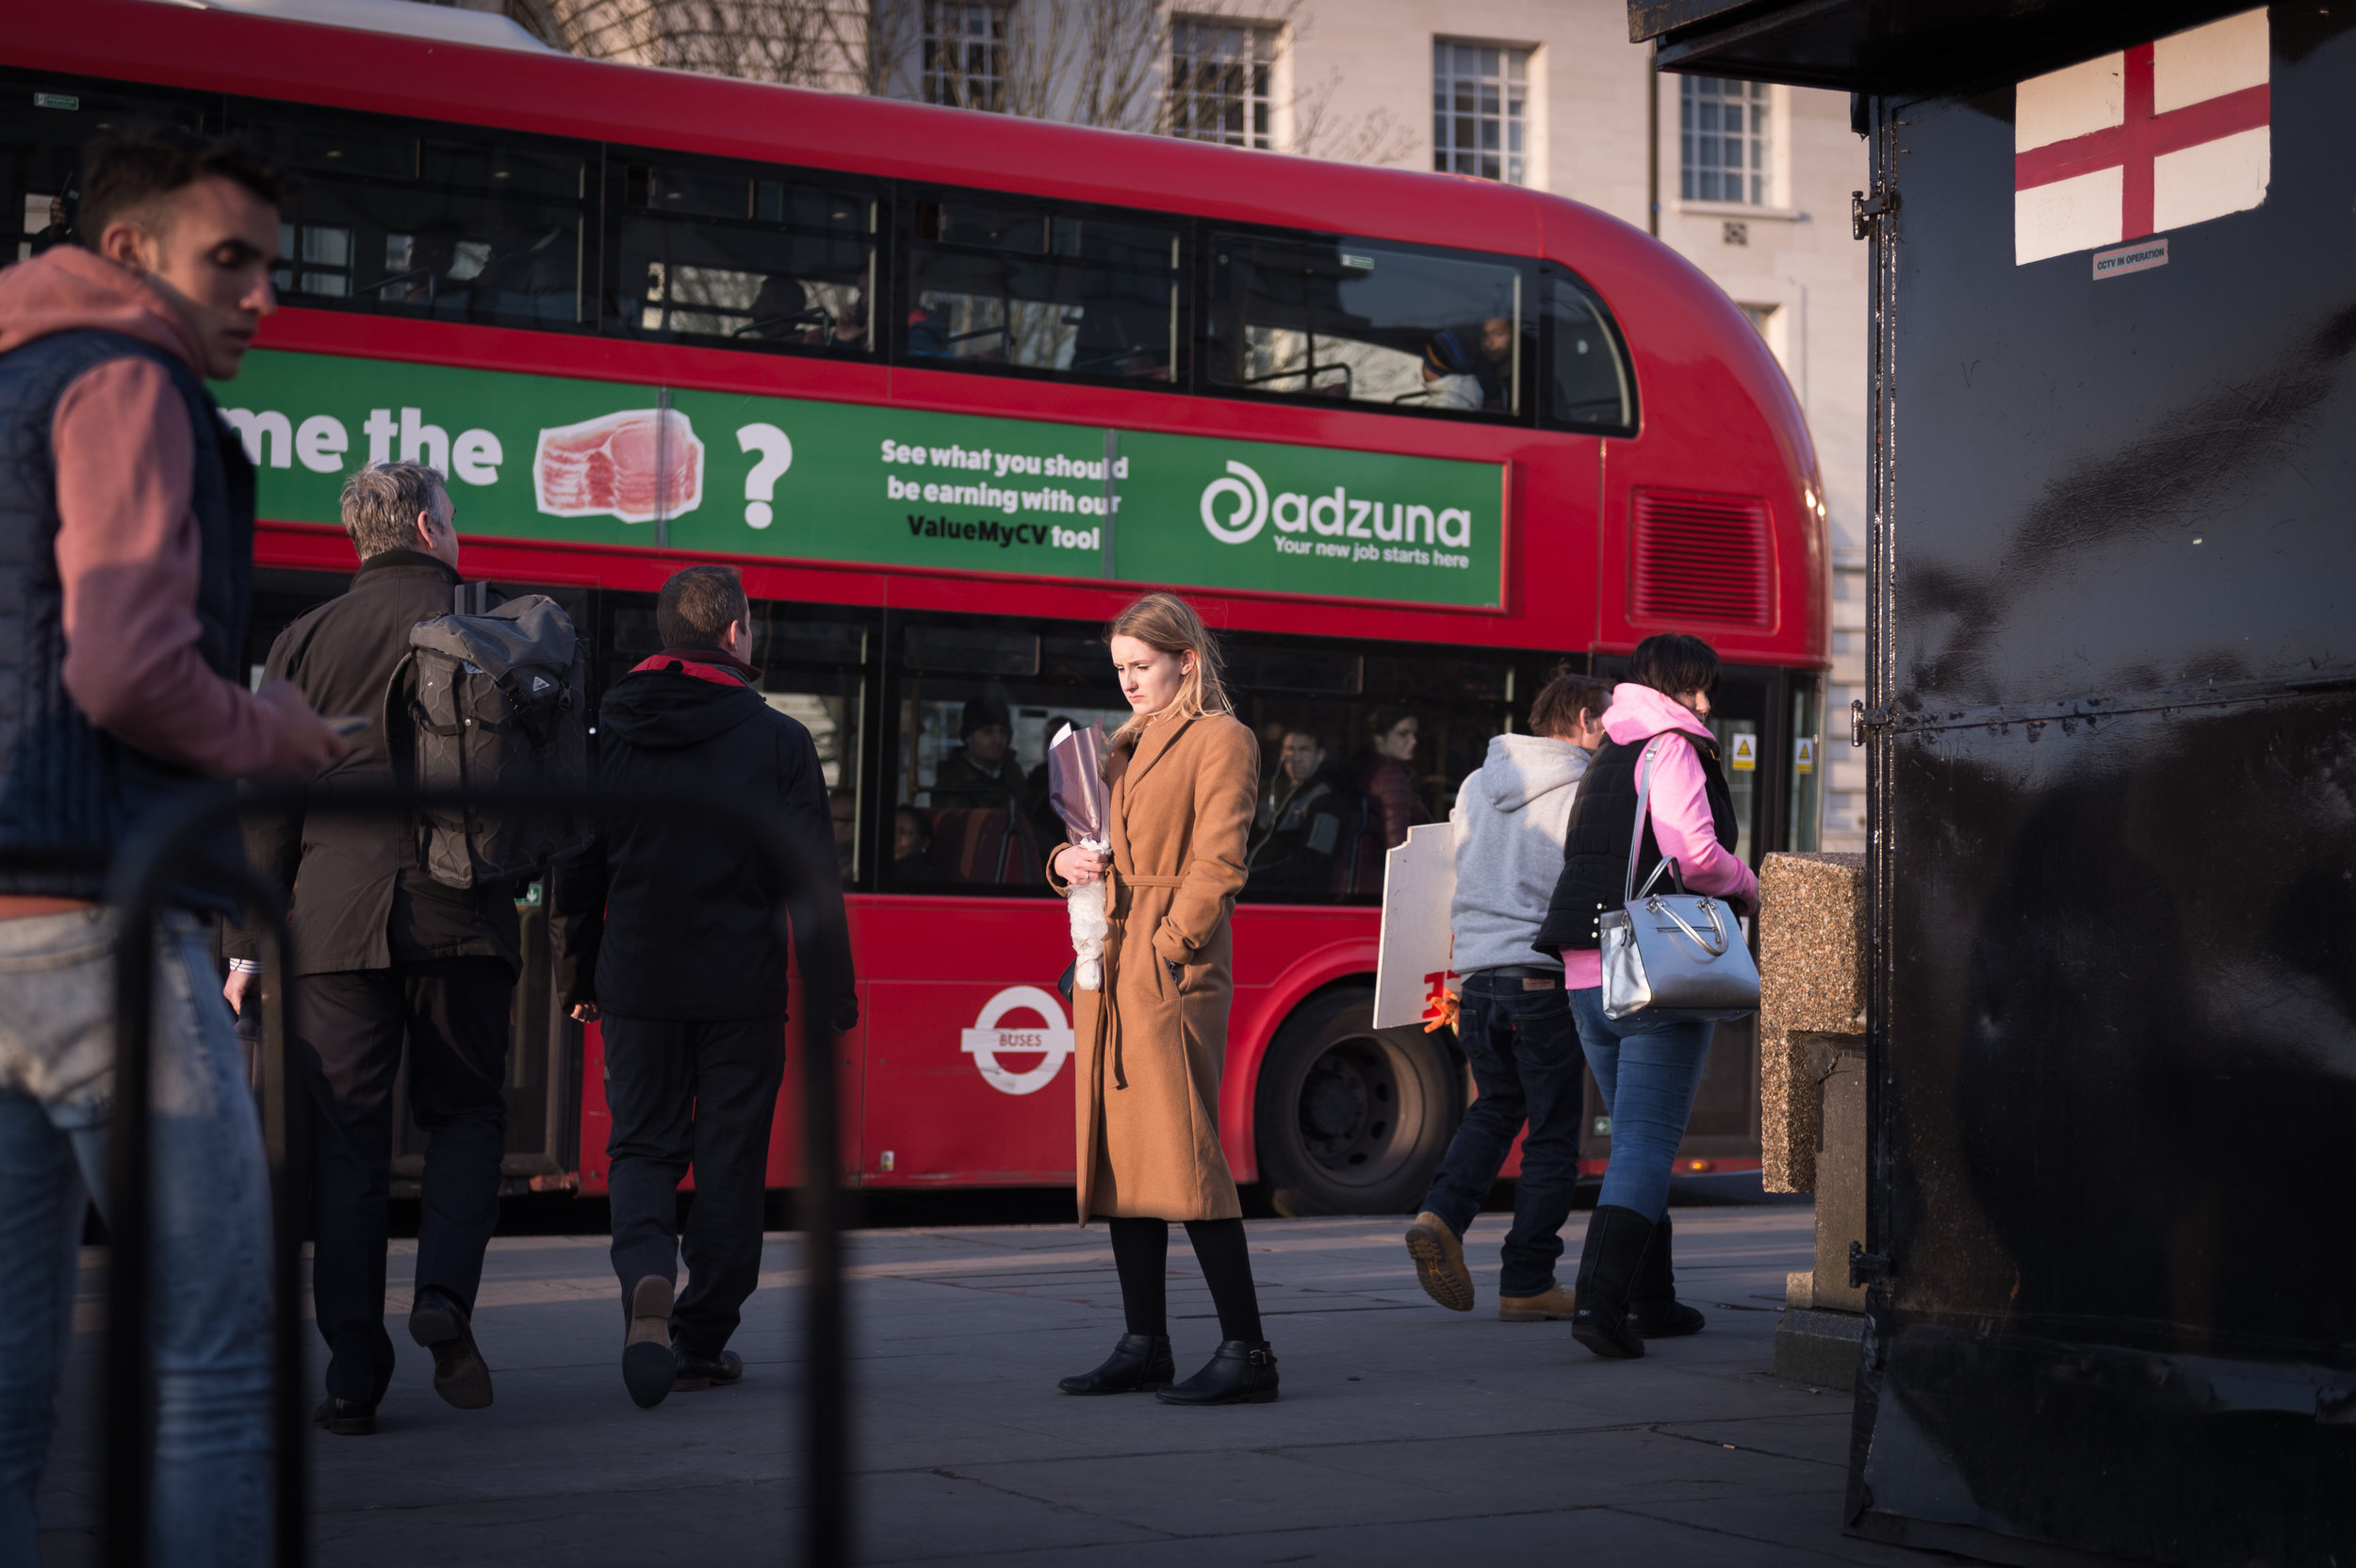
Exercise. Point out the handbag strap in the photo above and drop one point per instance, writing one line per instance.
(1636, 835)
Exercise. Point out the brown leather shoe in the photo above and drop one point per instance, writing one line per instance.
(1439, 1255)
(1553, 1302)
(442, 1326)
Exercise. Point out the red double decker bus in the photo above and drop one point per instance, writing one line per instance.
(950, 389)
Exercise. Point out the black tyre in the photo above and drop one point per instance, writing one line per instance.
(1354, 1120)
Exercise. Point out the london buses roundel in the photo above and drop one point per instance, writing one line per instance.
(1052, 1035)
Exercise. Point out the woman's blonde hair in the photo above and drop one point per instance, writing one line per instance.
(1169, 624)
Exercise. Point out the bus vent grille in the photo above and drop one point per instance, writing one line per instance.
(1701, 558)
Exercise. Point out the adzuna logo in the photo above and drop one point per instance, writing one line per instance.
(1243, 497)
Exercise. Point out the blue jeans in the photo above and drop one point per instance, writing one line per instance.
(209, 1311)
(1648, 1072)
(1525, 1061)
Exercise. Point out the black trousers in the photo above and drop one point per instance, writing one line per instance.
(699, 1096)
(451, 1014)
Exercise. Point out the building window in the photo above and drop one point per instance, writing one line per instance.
(1218, 82)
(1723, 139)
(1478, 93)
(965, 53)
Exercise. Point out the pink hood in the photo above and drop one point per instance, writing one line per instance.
(67, 288)
(1638, 713)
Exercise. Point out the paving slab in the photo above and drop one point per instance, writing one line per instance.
(1406, 1434)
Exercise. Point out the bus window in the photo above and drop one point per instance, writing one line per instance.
(813, 669)
(1364, 322)
(997, 283)
(1355, 750)
(756, 256)
(438, 223)
(43, 121)
(977, 704)
(1587, 381)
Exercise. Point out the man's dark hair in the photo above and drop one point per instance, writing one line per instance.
(697, 605)
(146, 162)
(1565, 700)
(1675, 662)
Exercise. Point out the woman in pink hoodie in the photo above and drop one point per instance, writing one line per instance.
(1648, 1068)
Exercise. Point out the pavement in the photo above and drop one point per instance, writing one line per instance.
(1406, 1434)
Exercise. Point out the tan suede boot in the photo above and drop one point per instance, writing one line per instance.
(1439, 1255)
(1552, 1302)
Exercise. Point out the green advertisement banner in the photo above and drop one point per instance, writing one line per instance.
(592, 462)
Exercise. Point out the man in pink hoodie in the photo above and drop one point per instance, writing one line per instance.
(126, 524)
(1658, 752)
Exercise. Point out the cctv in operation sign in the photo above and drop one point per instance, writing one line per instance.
(592, 462)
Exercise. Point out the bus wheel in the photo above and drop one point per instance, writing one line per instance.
(1352, 1119)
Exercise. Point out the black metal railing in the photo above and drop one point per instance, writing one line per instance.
(169, 854)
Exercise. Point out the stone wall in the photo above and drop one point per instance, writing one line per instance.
(1811, 972)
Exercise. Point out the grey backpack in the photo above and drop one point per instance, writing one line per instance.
(495, 701)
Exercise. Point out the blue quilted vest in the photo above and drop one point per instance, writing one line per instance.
(65, 784)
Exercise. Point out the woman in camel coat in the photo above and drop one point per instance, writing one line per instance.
(1185, 776)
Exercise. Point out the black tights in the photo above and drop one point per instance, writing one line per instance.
(1142, 1252)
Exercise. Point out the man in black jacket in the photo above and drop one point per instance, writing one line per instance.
(670, 932)
(389, 956)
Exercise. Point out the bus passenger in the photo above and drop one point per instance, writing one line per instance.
(1448, 374)
(1300, 824)
(1183, 772)
(667, 932)
(1647, 1069)
(842, 815)
(912, 846)
(981, 772)
(1382, 772)
(1495, 367)
(125, 513)
(1514, 1025)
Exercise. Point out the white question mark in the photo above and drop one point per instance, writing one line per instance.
(761, 485)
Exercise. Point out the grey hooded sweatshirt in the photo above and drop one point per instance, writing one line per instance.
(1510, 820)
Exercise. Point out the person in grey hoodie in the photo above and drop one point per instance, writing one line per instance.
(1515, 1018)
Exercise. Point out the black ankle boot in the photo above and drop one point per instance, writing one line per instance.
(1242, 1372)
(1616, 1238)
(1140, 1362)
(1654, 1311)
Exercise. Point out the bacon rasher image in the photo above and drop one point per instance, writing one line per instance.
(624, 464)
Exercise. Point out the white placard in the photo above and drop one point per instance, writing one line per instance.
(1418, 883)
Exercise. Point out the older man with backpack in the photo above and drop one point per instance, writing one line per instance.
(406, 939)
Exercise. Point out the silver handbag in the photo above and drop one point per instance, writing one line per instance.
(1673, 955)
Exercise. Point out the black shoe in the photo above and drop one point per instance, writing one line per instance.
(1139, 1364)
(345, 1417)
(1242, 1372)
(692, 1373)
(460, 1374)
(1654, 1311)
(1616, 1238)
(648, 1364)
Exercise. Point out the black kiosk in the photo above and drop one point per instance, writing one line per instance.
(2112, 733)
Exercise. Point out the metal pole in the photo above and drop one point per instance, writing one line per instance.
(285, 1129)
(138, 888)
(130, 1427)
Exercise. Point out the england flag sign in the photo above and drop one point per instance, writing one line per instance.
(2153, 138)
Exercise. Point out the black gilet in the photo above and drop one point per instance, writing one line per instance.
(1595, 848)
(65, 784)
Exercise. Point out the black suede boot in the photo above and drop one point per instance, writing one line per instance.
(1241, 1372)
(1139, 1363)
(1654, 1311)
(1616, 1238)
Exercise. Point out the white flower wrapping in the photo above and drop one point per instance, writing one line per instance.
(1088, 929)
(1076, 788)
